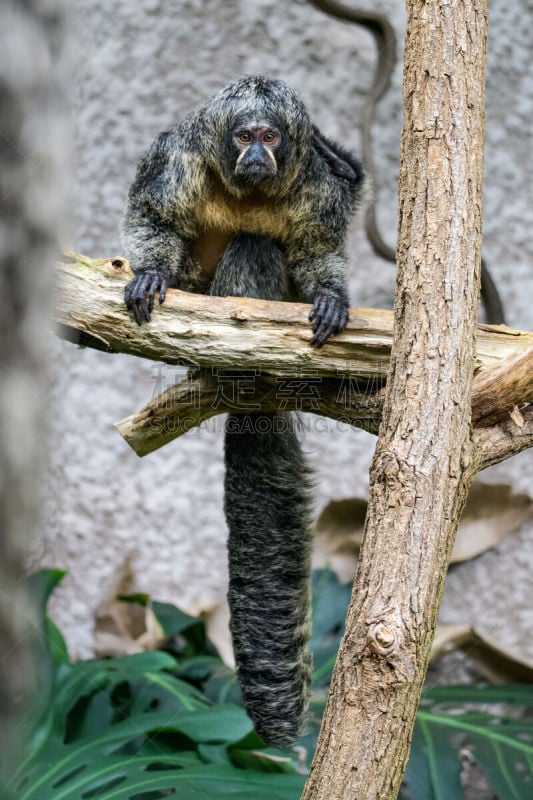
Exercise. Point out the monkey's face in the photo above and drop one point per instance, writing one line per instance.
(257, 135)
(256, 146)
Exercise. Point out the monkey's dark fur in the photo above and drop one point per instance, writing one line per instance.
(247, 198)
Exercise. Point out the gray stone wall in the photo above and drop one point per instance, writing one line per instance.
(140, 66)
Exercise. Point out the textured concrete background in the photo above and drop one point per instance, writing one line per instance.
(140, 66)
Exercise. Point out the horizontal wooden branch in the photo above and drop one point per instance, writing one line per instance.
(201, 396)
(498, 390)
(224, 332)
(269, 341)
(235, 332)
(505, 439)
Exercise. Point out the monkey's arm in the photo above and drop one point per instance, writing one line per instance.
(156, 252)
(152, 242)
(316, 259)
(317, 263)
(319, 276)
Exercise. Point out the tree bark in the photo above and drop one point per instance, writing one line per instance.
(235, 332)
(498, 390)
(424, 460)
(343, 381)
(498, 394)
(506, 439)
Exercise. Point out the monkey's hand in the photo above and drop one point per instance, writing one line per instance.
(148, 281)
(328, 315)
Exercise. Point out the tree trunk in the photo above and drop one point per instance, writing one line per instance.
(425, 459)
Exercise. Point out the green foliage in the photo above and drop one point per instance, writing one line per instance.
(457, 719)
(171, 724)
(147, 726)
(40, 587)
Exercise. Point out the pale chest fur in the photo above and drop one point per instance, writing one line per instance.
(220, 216)
(247, 214)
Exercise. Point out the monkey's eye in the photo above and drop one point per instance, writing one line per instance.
(244, 137)
(269, 137)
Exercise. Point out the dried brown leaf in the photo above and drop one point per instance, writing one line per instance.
(338, 535)
(517, 417)
(492, 512)
(123, 628)
(496, 661)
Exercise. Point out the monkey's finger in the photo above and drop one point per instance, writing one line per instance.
(139, 287)
(331, 313)
(318, 308)
(154, 285)
(339, 317)
(321, 334)
(318, 323)
(317, 341)
(327, 333)
(318, 338)
(143, 305)
(315, 311)
(131, 296)
(127, 294)
(336, 316)
(344, 319)
(136, 313)
(162, 291)
(138, 298)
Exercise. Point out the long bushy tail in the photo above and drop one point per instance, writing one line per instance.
(267, 503)
(267, 506)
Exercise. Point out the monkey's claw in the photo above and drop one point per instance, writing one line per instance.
(149, 281)
(328, 315)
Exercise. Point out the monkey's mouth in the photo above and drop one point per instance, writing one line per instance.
(253, 174)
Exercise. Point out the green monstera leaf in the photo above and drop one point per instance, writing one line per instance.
(455, 721)
(171, 724)
(135, 728)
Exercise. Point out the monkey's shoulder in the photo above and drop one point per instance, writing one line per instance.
(171, 175)
(324, 205)
(168, 147)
